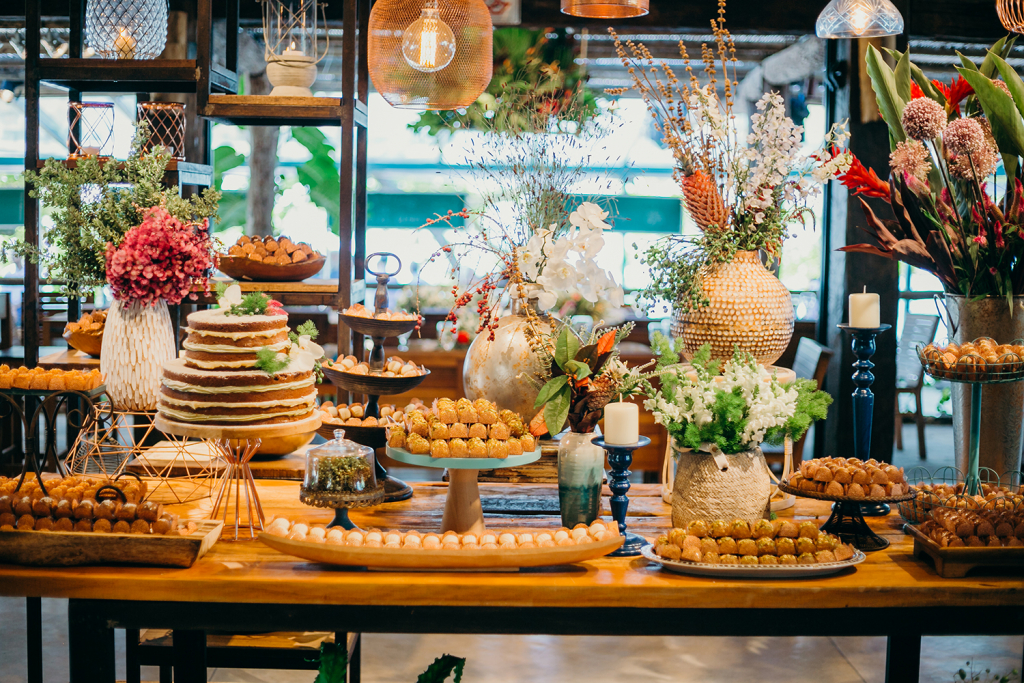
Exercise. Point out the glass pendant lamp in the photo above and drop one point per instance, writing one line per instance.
(126, 29)
(859, 19)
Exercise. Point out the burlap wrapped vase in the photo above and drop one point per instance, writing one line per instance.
(712, 486)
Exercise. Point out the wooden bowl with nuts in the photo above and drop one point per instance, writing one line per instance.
(270, 259)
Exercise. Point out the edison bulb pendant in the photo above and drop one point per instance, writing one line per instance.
(428, 44)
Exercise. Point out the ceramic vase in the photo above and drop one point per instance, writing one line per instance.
(1002, 405)
(500, 370)
(580, 473)
(138, 340)
(712, 487)
(749, 308)
(292, 76)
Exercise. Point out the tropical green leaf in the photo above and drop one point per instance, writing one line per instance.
(320, 173)
(333, 663)
(1007, 126)
(556, 411)
(923, 82)
(552, 387)
(566, 346)
(443, 666)
(578, 369)
(902, 77)
(1013, 82)
(988, 66)
(883, 81)
(967, 62)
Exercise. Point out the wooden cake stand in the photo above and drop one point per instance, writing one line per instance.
(463, 512)
(237, 444)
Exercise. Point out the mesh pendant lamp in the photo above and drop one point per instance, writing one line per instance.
(859, 19)
(430, 54)
(606, 9)
(1011, 13)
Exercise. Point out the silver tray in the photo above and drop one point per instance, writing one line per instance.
(744, 571)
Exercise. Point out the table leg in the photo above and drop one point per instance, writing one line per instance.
(463, 512)
(903, 658)
(90, 645)
(355, 666)
(34, 633)
(189, 656)
(132, 668)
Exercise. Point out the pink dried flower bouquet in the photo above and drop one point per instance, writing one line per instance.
(160, 259)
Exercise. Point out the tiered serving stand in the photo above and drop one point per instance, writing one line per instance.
(237, 445)
(375, 386)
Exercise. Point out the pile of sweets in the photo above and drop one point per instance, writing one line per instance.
(354, 415)
(975, 528)
(764, 542)
(393, 367)
(49, 380)
(463, 429)
(991, 497)
(90, 323)
(850, 478)
(449, 540)
(977, 361)
(278, 251)
(361, 311)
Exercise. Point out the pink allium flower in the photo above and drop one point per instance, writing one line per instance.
(924, 119)
(910, 158)
(963, 136)
(159, 259)
(1002, 86)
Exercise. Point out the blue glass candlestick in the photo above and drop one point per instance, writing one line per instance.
(864, 400)
(620, 457)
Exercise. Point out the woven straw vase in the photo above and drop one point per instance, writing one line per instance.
(702, 490)
(749, 308)
(138, 340)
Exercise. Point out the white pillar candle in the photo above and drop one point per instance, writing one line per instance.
(864, 310)
(124, 45)
(621, 423)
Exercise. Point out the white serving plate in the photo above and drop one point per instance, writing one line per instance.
(749, 571)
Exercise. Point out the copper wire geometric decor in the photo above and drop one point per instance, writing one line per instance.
(166, 126)
(90, 129)
(127, 29)
(606, 9)
(430, 55)
(1011, 14)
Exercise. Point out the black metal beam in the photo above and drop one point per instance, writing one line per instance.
(30, 310)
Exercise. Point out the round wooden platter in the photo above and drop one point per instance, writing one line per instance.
(405, 558)
(202, 431)
(89, 344)
(373, 385)
(818, 495)
(373, 327)
(402, 455)
(749, 571)
(256, 271)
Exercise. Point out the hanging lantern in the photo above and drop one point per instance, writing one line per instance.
(859, 19)
(127, 29)
(1011, 13)
(606, 9)
(425, 54)
(289, 33)
(90, 129)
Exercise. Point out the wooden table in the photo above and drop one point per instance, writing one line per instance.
(247, 586)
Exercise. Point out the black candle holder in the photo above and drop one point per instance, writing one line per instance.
(620, 457)
(864, 401)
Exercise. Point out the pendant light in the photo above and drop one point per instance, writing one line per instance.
(859, 19)
(1011, 13)
(606, 9)
(430, 54)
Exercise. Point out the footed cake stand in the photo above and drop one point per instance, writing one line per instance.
(462, 510)
(237, 444)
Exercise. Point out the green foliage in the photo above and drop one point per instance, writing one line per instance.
(95, 204)
(443, 667)
(334, 666)
(974, 676)
(233, 206)
(320, 173)
(269, 361)
(888, 93)
(306, 328)
(253, 303)
(1002, 113)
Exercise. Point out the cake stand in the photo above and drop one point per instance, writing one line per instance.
(462, 510)
(237, 444)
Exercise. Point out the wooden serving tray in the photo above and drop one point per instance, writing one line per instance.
(69, 548)
(441, 560)
(954, 563)
(246, 269)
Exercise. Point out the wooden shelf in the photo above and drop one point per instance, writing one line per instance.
(264, 110)
(312, 292)
(131, 75)
(177, 173)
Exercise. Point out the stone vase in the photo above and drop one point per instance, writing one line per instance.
(138, 340)
(749, 308)
(580, 473)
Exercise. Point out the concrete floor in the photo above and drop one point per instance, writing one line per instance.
(535, 659)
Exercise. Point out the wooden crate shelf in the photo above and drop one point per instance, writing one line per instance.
(312, 292)
(264, 110)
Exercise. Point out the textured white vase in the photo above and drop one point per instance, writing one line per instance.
(137, 341)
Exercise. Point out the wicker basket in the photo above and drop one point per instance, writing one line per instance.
(704, 490)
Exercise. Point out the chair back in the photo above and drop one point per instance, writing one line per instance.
(811, 360)
(918, 330)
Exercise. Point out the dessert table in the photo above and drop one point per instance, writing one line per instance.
(247, 586)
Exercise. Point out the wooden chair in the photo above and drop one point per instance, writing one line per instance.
(918, 330)
(810, 362)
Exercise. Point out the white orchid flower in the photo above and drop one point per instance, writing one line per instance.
(546, 299)
(232, 297)
(530, 257)
(589, 242)
(559, 276)
(558, 250)
(306, 346)
(589, 215)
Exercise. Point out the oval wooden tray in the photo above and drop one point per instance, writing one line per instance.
(817, 495)
(441, 560)
(372, 327)
(257, 271)
(749, 571)
(86, 343)
(373, 385)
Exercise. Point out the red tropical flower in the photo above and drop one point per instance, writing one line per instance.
(955, 93)
(862, 180)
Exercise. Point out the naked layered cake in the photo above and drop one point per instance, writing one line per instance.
(225, 375)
